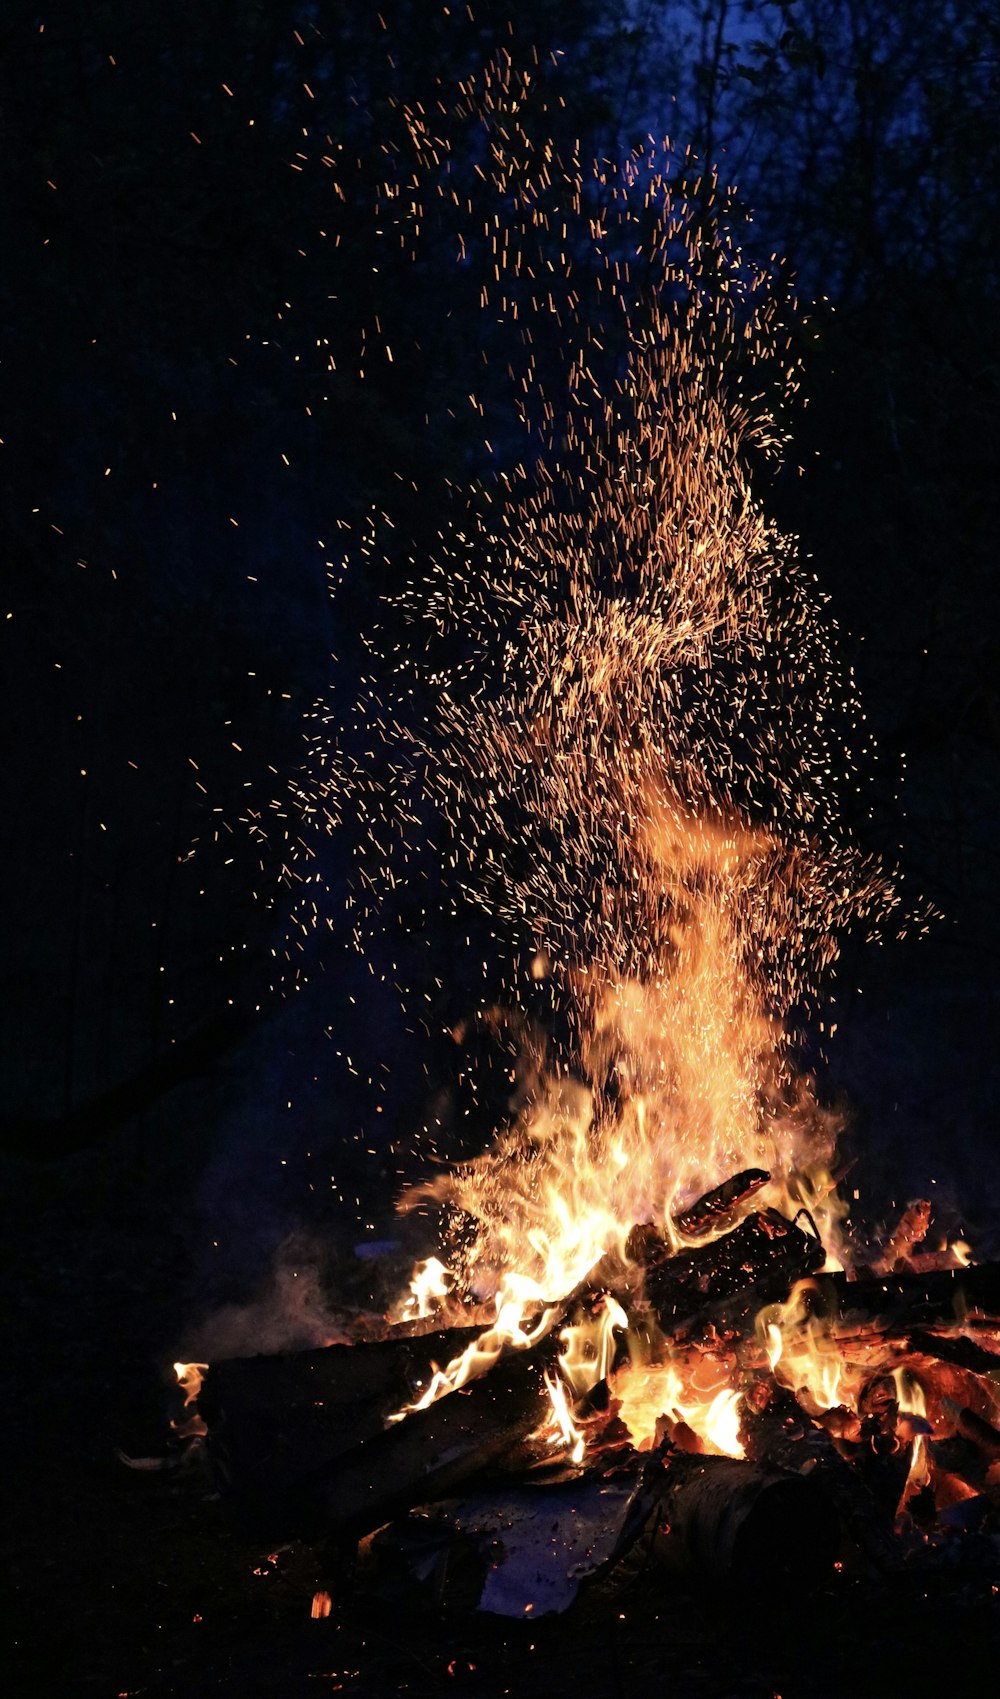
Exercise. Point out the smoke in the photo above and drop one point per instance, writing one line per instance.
(291, 1311)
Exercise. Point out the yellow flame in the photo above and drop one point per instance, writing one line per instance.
(804, 1354)
(774, 1344)
(912, 1402)
(701, 1089)
(589, 1346)
(722, 1423)
(693, 1392)
(564, 1429)
(189, 1379)
(429, 1285)
(479, 1356)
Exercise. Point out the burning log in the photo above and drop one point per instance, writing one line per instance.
(747, 1523)
(912, 1230)
(270, 1419)
(906, 1300)
(430, 1454)
(304, 1444)
(321, 1417)
(963, 1353)
(726, 1282)
(778, 1434)
(721, 1204)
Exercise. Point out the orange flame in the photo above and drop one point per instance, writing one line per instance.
(189, 1379)
(912, 1402)
(694, 1394)
(429, 1286)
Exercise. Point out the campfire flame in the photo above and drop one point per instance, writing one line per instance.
(189, 1425)
(561, 1426)
(430, 1282)
(681, 1080)
(912, 1402)
(689, 1402)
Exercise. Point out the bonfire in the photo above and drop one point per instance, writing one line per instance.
(647, 1320)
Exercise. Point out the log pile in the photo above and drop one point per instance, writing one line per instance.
(311, 1445)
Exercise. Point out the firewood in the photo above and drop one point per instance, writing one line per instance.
(961, 1458)
(975, 1428)
(754, 1526)
(955, 1348)
(912, 1230)
(271, 1418)
(725, 1283)
(777, 1433)
(880, 1454)
(334, 1375)
(719, 1205)
(428, 1455)
(903, 1301)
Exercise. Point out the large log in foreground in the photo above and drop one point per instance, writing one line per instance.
(273, 1422)
(751, 1525)
(429, 1455)
(271, 1419)
(778, 1434)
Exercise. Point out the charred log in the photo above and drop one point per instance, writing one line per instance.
(881, 1455)
(912, 1230)
(718, 1206)
(751, 1525)
(975, 1428)
(777, 1433)
(905, 1301)
(961, 1458)
(429, 1455)
(725, 1283)
(957, 1349)
(270, 1419)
